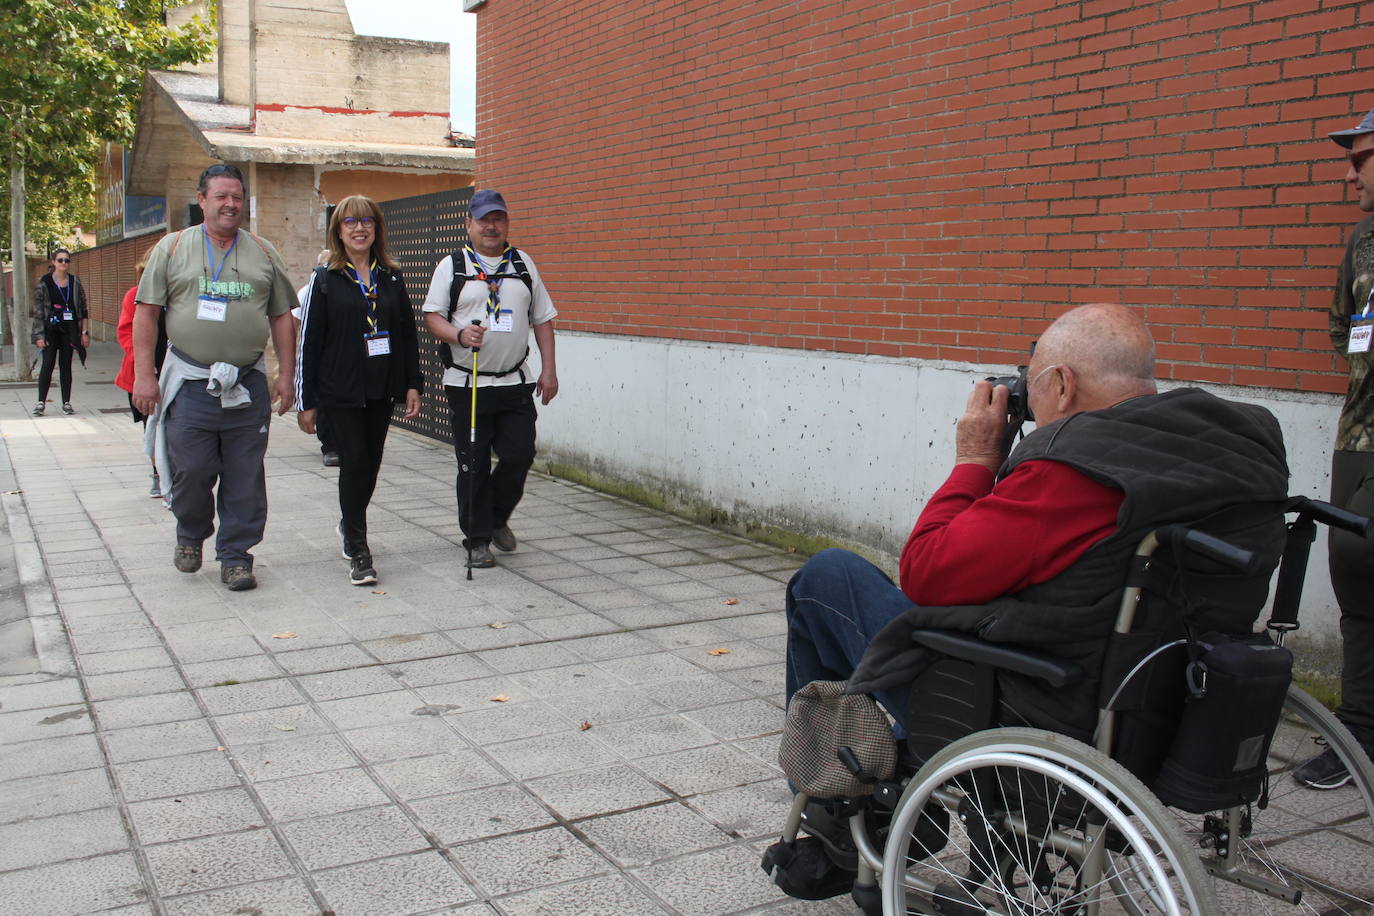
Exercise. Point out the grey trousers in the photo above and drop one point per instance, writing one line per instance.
(1352, 578)
(208, 444)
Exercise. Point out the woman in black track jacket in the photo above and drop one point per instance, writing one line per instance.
(357, 357)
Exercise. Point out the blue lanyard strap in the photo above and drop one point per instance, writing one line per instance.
(66, 294)
(369, 293)
(492, 279)
(210, 253)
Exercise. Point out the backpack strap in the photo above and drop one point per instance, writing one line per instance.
(517, 264)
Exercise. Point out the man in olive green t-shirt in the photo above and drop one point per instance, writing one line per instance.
(223, 289)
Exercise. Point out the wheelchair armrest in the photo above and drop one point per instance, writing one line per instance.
(1021, 661)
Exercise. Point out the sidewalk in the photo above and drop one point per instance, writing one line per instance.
(562, 735)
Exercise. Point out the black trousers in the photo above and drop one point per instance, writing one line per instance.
(360, 436)
(324, 433)
(1352, 578)
(505, 428)
(56, 352)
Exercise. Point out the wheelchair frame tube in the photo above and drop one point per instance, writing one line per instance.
(1125, 618)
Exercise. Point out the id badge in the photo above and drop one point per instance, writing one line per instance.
(210, 308)
(68, 316)
(378, 344)
(502, 321)
(1361, 333)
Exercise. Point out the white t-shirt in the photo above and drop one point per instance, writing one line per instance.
(508, 328)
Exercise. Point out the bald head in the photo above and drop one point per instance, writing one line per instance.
(1108, 356)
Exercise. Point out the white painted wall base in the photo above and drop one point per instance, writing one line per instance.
(845, 446)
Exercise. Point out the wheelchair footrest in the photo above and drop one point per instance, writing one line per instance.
(803, 870)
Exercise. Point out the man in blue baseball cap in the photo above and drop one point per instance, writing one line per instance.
(488, 297)
(1352, 463)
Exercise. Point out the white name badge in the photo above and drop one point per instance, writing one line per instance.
(209, 308)
(1361, 331)
(502, 321)
(379, 345)
(68, 316)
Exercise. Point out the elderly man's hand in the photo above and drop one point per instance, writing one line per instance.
(978, 435)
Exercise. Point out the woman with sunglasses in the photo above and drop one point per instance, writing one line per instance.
(59, 327)
(357, 356)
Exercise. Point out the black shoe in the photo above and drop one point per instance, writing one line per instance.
(238, 578)
(833, 832)
(343, 544)
(360, 570)
(504, 539)
(479, 557)
(1324, 771)
(331, 459)
(803, 869)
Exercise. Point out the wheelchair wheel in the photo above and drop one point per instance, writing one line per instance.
(1039, 823)
(1320, 843)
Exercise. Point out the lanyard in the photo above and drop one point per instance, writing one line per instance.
(66, 294)
(209, 252)
(369, 293)
(493, 279)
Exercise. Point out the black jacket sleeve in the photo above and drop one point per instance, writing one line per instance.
(410, 345)
(310, 350)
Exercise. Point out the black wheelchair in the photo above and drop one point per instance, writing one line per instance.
(1185, 800)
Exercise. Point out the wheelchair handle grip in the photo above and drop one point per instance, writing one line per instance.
(1203, 544)
(1335, 516)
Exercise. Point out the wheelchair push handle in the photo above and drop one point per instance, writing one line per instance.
(1334, 516)
(1206, 545)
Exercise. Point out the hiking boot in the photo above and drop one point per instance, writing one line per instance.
(238, 578)
(38, 411)
(360, 570)
(68, 409)
(330, 459)
(1324, 771)
(479, 557)
(186, 557)
(343, 544)
(504, 539)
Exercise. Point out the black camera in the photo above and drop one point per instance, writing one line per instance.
(1018, 403)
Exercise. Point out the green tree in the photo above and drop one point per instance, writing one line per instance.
(71, 72)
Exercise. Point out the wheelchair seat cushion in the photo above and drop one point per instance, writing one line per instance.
(821, 719)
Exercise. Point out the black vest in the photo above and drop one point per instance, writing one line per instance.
(1181, 456)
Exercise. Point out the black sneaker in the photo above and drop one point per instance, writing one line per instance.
(802, 869)
(330, 459)
(504, 539)
(1322, 772)
(479, 557)
(360, 571)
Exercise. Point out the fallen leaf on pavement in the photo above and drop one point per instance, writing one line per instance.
(286, 728)
(500, 698)
(732, 601)
(378, 592)
(791, 550)
(584, 726)
(718, 652)
(287, 635)
(498, 625)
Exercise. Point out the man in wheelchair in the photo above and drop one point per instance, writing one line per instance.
(1032, 548)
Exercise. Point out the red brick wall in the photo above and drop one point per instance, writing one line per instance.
(933, 180)
(107, 272)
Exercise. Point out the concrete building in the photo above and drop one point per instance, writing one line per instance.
(311, 113)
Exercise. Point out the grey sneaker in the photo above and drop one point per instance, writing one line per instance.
(186, 557)
(504, 538)
(238, 578)
(480, 557)
(343, 545)
(1324, 771)
(360, 570)
(155, 491)
(38, 411)
(68, 409)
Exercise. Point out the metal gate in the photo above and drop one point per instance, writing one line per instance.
(420, 231)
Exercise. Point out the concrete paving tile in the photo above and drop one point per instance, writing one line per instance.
(255, 695)
(418, 738)
(168, 739)
(128, 712)
(742, 654)
(476, 693)
(319, 794)
(688, 635)
(186, 816)
(650, 834)
(508, 722)
(606, 895)
(647, 578)
(496, 633)
(124, 660)
(165, 776)
(423, 673)
(680, 591)
(107, 623)
(575, 586)
(216, 862)
(190, 653)
(399, 648)
(82, 886)
(770, 562)
(651, 736)
(652, 667)
(755, 811)
(695, 692)
(755, 626)
(704, 769)
(474, 815)
(418, 883)
(83, 594)
(612, 645)
(41, 724)
(437, 774)
(760, 587)
(335, 685)
(611, 599)
(133, 683)
(244, 728)
(46, 840)
(764, 749)
(237, 670)
(284, 897)
(604, 705)
(596, 791)
(572, 625)
(547, 754)
(647, 613)
(364, 628)
(64, 754)
(117, 641)
(373, 709)
(737, 881)
(553, 683)
(745, 719)
(529, 860)
(54, 793)
(90, 611)
(765, 680)
(294, 756)
(328, 658)
(354, 836)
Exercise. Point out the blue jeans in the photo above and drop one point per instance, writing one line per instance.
(836, 603)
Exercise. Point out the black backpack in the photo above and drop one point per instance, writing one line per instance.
(517, 263)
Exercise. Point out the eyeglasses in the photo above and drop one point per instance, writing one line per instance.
(352, 222)
(1357, 160)
(62, 260)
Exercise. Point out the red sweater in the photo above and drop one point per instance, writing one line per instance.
(124, 331)
(975, 541)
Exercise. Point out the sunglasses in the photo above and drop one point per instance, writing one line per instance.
(62, 260)
(352, 222)
(1357, 160)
